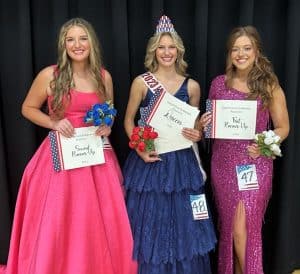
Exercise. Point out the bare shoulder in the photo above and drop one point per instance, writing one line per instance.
(194, 92)
(46, 73)
(278, 101)
(107, 79)
(278, 95)
(44, 78)
(42, 81)
(193, 86)
(277, 91)
(40, 87)
(107, 75)
(138, 83)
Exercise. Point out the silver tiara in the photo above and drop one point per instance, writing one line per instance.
(164, 25)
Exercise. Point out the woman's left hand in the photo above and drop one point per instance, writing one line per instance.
(253, 151)
(103, 130)
(192, 134)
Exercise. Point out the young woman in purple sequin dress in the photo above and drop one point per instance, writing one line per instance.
(249, 76)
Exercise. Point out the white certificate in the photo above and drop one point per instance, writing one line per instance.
(83, 149)
(232, 119)
(168, 117)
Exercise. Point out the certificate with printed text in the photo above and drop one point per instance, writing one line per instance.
(232, 119)
(168, 116)
(83, 149)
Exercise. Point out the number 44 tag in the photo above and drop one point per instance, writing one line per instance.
(247, 178)
(199, 207)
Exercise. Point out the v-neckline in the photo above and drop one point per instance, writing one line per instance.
(178, 88)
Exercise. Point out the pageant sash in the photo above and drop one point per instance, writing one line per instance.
(167, 143)
(152, 83)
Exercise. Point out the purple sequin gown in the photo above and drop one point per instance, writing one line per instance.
(226, 155)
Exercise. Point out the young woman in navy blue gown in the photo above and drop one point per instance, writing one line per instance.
(167, 239)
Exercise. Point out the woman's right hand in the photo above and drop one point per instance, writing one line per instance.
(64, 127)
(148, 156)
(204, 120)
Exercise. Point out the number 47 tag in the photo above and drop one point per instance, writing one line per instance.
(247, 178)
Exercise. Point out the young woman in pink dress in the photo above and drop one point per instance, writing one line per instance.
(71, 221)
(249, 76)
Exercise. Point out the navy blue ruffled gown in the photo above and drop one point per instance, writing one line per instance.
(166, 238)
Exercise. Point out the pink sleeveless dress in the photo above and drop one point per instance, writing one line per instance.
(74, 221)
(226, 154)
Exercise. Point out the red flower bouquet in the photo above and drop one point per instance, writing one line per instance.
(142, 138)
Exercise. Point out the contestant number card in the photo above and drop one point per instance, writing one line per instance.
(199, 207)
(247, 177)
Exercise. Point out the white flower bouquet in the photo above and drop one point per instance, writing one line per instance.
(268, 143)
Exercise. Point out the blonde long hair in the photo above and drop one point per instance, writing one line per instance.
(63, 74)
(153, 43)
(261, 78)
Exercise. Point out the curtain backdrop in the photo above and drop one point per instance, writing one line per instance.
(28, 31)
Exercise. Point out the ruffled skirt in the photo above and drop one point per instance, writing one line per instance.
(166, 237)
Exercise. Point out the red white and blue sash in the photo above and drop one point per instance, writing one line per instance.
(159, 91)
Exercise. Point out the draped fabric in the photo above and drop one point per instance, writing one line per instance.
(29, 28)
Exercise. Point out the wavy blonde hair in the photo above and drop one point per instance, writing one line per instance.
(63, 74)
(261, 78)
(150, 59)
